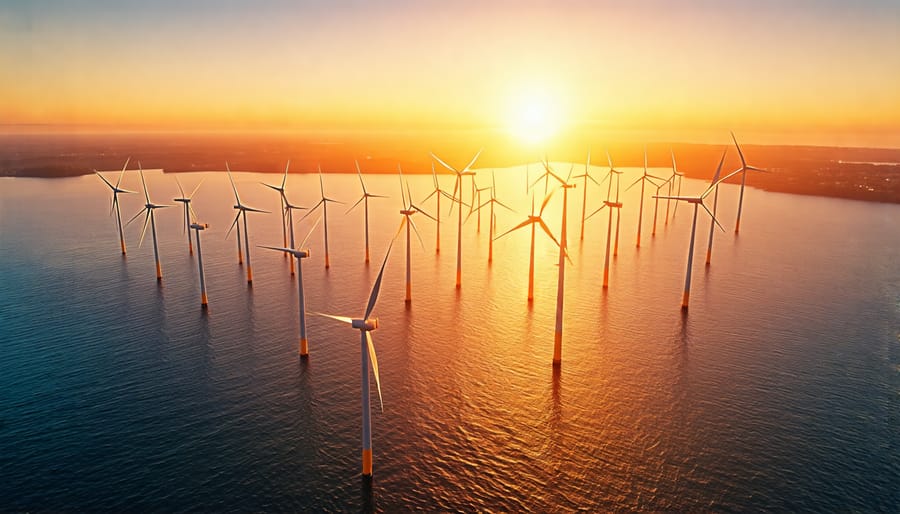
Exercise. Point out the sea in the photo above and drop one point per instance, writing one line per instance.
(778, 389)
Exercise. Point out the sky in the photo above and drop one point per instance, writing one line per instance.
(800, 72)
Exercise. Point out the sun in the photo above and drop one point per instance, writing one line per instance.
(534, 116)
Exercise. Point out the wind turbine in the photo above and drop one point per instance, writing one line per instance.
(204, 302)
(280, 190)
(493, 200)
(614, 171)
(743, 171)
(300, 253)
(437, 193)
(698, 202)
(148, 209)
(408, 210)
(457, 185)
(676, 175)
(324, 204)
(643, 179)
(533, 221)
(563, 254)
(188, 210)
(617, 205)
(476, 201)
(116, 190)
(586, 175)
(365, 325)
(365, 199)
(242, 212)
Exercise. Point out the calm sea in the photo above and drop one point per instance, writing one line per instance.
(778, 390)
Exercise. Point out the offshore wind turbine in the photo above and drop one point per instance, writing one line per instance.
(242, 212)
(188, 210)
(365, 200)
(407, 211)
(743, 171)
(324, 204)
(457, 185)
(300, 253)
(643, 179)
(698, 202)
(148, 209)
(565, 185)
(366, 325)
(437, 193)
(289, 209)
(116, 190)
(534, 221)
(676, 175)
(712, 224)
(204, 302)
(280, 190)
(491, 202)
(617, 205)
(614, 171)
(586, 175)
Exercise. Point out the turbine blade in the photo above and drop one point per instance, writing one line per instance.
(343, 319)
(284, 179)
(144, 230)
(472, 162)
(517, 227)
(308, 234)
(373, 297)
(277, 248)
(444, 164)
(250, 209)
(180, 189)
(635, 183)
(233, 223)
(418, 209)
(595, 212)
(715, 179)
(740, 153)
(374, 360)
(546, 200)
(144, 183)
(135, 216)
(711, 215)
(104, 180)
(547, 231)
(121, 175)
(233, 187)
(196, 188)
(501, 204)
(312, 209)
(361, 198)
(321, 182)
(416, 230)
(609, 158)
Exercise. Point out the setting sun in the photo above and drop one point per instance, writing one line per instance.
(534, 116)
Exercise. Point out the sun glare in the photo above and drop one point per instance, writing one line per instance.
(534, 117)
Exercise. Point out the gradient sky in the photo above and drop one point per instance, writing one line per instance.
(803, 70)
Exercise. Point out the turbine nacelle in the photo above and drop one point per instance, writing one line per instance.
(199, 226)
(365, 324)
(613, 205)
(408, 212)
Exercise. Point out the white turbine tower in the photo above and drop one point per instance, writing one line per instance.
(617, 205)
(365, 200)
(242, 213)
(366, 325)
(324, 204)
(300, 253)
(116, 190)
(204, 302)
(457, 185)
(676, 175)
(188, 210)
(408, 210)
(698, 202)
(148, 209)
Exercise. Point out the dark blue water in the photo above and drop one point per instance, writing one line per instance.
(779, 390)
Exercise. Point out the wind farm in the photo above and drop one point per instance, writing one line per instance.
(570, 374)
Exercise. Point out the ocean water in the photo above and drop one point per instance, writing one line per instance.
(778, 390)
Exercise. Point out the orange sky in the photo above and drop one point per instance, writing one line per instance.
(810, 73)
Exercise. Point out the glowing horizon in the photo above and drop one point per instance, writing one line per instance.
(806, 73)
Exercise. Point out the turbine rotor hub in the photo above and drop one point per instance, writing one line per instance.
(365, 324)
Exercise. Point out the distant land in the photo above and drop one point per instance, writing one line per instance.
(868, 174)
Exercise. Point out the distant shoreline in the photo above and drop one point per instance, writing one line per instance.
(867, 174)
